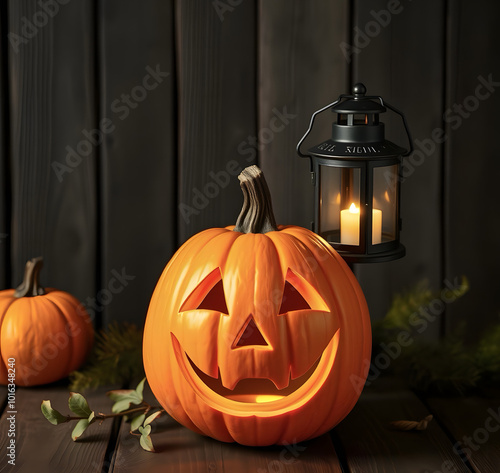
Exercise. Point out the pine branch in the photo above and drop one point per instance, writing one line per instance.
(446, 367)
(116, 358)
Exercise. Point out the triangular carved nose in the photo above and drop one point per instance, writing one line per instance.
(249, 335)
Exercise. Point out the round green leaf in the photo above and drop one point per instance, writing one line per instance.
(145, 430)
(152, 417)
(78, 404)
(120, 406)
(80, 427)
(139, 389)
(137, 422)
(146, 443)
(53, 416)
(120, 394)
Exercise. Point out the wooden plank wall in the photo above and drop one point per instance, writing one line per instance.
(137, 83)
(4, 161)
(472, 165)
(162, 173)
(216, 63)
(392, 64)
(300, 70)
(52, 100)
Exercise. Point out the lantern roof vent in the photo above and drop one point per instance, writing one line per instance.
(358, 132)
(359, 102)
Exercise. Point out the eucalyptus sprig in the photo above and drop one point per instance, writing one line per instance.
(128, 403)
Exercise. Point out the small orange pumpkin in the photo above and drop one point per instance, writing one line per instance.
(44, 333)
(255, 333)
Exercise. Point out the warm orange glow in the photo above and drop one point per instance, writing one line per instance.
(267, 397)
(256, 394)
(255, 398)
(353, 209)
(349, 226)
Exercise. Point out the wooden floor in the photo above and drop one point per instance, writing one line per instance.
(364, 442)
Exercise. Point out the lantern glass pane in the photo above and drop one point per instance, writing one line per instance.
(385, 204)
(339, 204)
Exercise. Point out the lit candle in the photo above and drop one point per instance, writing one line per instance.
(376, 226)
(349, 226)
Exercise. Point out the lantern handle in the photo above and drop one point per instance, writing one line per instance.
(347, 96)
(408, 134)
(311, 123)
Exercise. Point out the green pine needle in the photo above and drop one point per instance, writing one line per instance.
(403, 305)
(445, 367)
(487, 357)
(116, 358)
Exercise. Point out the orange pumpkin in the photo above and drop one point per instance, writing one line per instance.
(256, 333)
(44, 333)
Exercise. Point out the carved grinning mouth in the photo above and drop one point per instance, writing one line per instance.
(253, 389)
(256, 392)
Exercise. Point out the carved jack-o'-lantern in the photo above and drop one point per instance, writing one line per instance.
(257, 334)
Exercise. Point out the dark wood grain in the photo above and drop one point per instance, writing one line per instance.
(371, 445)
(472, 164)
(52, 103)
(474, 424)
(46, 448)
(365, 440)
(4, 154)
(216, 65)
(179, 449)
(301, 69)
(404, 64)
(139, 152)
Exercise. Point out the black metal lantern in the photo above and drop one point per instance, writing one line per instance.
(356, 175)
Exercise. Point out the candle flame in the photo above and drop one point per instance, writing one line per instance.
(353, 209)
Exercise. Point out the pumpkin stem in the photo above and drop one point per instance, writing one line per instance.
(256, 215)
(30, 286)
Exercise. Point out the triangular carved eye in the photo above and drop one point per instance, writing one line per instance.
(298, 294)
(292, 300)
(208, 295)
